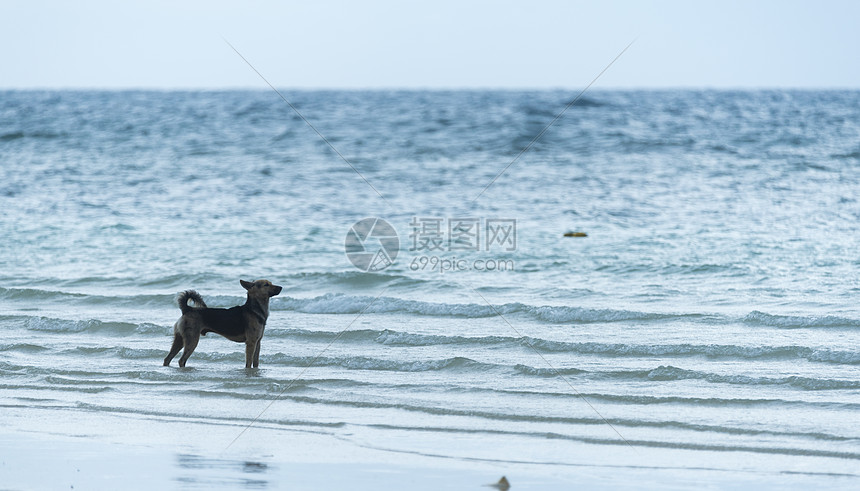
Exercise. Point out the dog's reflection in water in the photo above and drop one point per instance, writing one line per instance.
(221, 473)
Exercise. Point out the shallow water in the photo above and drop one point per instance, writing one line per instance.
(709, 319)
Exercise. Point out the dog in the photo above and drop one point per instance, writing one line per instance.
(243, 323)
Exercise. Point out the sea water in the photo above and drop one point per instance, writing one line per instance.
(708, 322)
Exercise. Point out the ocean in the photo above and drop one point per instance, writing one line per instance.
(705, 329)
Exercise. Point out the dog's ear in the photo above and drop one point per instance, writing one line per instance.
(246, 284)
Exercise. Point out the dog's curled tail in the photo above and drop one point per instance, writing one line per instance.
(183, 298)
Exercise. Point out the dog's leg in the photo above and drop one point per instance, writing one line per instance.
(177, 345)
(257, 353)
(250, 348)
(190, 346)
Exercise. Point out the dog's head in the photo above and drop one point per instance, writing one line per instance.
(261, 288)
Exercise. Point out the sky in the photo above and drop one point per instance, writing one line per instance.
(437, 44)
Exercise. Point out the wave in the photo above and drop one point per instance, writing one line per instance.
(389, 337)
(152, 301)
(173, 281)
(349, 362)
(339, 303)
(353, 304)
(47, 324)
(710, 351)
(353, 279)
(58, 387)
(222, 384)
(23, 347)
(200, 281)
(797, 322)
(663, 373)
(396, 338)
(670, 373)
(36, 294)
(638, 399)
(31, 295)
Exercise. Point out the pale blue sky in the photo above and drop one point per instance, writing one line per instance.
(433, 44)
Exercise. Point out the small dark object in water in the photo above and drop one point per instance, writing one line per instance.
(502, 485)
(575, 234)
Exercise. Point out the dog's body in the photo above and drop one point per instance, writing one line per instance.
(243, 324)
